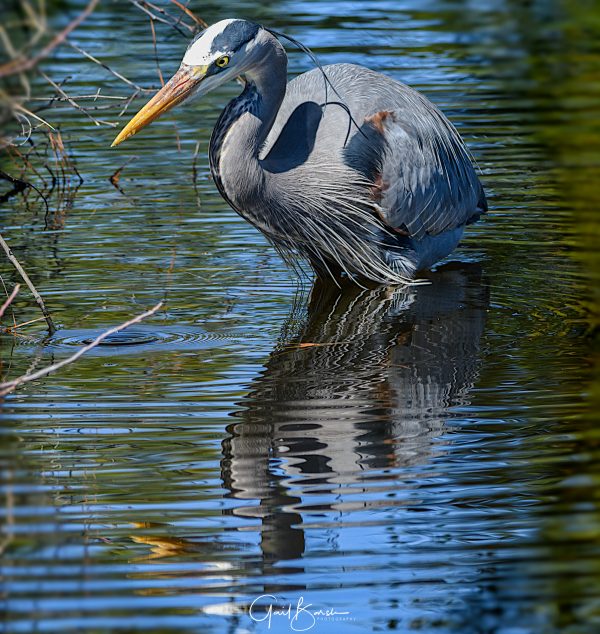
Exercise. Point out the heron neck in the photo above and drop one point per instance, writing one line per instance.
(242, 129)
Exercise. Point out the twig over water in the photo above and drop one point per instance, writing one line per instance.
(64, 95)
(23, 274)
(9, 299)
(20, 65)
(9, 386)
(108, 68)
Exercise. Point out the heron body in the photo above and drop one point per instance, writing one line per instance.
(360, 174)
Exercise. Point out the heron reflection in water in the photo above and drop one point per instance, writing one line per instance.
(366, 386)
(348, 168)
(344, 413)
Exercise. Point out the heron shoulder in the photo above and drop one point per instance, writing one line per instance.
(421, 173)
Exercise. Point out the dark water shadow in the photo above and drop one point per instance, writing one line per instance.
(366, 385)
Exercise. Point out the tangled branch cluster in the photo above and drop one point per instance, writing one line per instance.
(33, 149)
(33, 146)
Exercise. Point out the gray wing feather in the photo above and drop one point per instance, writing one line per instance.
(405, 146)
(428, 184)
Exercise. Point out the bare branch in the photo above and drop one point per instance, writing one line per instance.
(28, 113)
(128, 103)
(9, 386)
(18, 66)
(144, 6)
(95, 97)
(13, 329)
(199, 21)
(74, 103)
(160, 75)
(9, 299)
(23, 274)
(108, 68)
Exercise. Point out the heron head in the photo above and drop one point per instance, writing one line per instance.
(219, 53)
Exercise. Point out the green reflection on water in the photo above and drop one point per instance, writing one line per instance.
(569, 81)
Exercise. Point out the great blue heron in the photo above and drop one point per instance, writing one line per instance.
(351, 169)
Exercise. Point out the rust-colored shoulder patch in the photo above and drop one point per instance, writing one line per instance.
(379, 187)
(378, 119)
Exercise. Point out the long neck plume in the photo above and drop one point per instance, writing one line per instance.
(243, 127)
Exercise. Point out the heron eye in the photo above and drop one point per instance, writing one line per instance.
(222, 61)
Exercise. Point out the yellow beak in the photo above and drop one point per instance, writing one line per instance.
(173, 92)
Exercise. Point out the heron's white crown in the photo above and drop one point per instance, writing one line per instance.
(201, 51)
